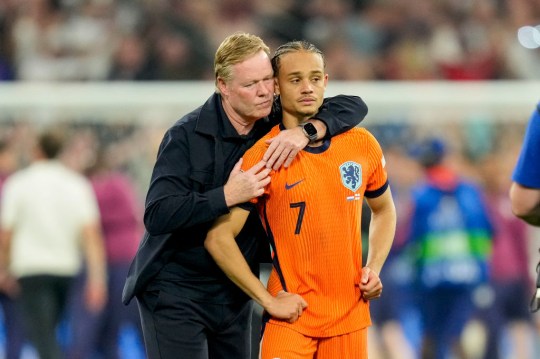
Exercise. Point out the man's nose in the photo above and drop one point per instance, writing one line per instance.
(306, 86)
(263, 88)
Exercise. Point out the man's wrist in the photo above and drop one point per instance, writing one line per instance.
(322, 129)
(310, 131)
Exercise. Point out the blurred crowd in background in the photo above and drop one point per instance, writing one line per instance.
(96, 40)
(495, 322)
(171, 40)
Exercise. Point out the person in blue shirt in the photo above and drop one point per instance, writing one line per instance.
(450, 234)
(525, 189)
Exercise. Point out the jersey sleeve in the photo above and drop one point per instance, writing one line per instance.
(527, 170)
(378, 179)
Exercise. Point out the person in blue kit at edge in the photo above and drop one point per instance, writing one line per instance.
(525, 188)
(188, 307)
(451, 234)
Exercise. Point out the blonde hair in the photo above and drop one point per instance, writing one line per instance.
(233, 50)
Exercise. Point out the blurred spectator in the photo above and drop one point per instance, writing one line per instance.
(229, 16)
(14, 336)
(465, 43)
(7, 15)
(49, 220)
(61, 40)
(131, 61)
(506, 311)
(522, 62)
(121, 224)
(406, 52)
(280, 21)
(325, 20)
(173, 58)
(344, 64)
(180, 47)
(52, 44)
(452, 234)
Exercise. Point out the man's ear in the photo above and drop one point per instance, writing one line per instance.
(276, 86)
(222, 86)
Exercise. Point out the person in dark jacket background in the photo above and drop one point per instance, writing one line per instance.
(188, 307)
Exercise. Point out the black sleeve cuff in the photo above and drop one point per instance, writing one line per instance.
(376, 193)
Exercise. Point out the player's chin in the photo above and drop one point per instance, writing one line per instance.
(307, 111)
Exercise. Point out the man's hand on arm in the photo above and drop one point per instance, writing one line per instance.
(244, 186)
(221, 245)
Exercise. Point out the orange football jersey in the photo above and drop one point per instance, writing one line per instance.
(312, 214)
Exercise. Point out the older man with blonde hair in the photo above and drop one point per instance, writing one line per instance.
(189, 308)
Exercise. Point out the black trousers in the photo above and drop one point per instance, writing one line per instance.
(43, 299)
(176, 327)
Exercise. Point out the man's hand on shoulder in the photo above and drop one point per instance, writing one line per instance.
(284, 148)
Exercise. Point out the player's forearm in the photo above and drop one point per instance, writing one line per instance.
(229, 258)
(526, 203)
(381, 237)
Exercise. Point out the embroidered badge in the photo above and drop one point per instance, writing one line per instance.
(351, 175)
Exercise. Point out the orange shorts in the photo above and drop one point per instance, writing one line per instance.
(280, 342)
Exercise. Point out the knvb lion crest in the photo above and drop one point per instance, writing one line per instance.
(351, 175)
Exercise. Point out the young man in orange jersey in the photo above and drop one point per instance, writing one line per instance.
(188, 307)
(311, 213)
